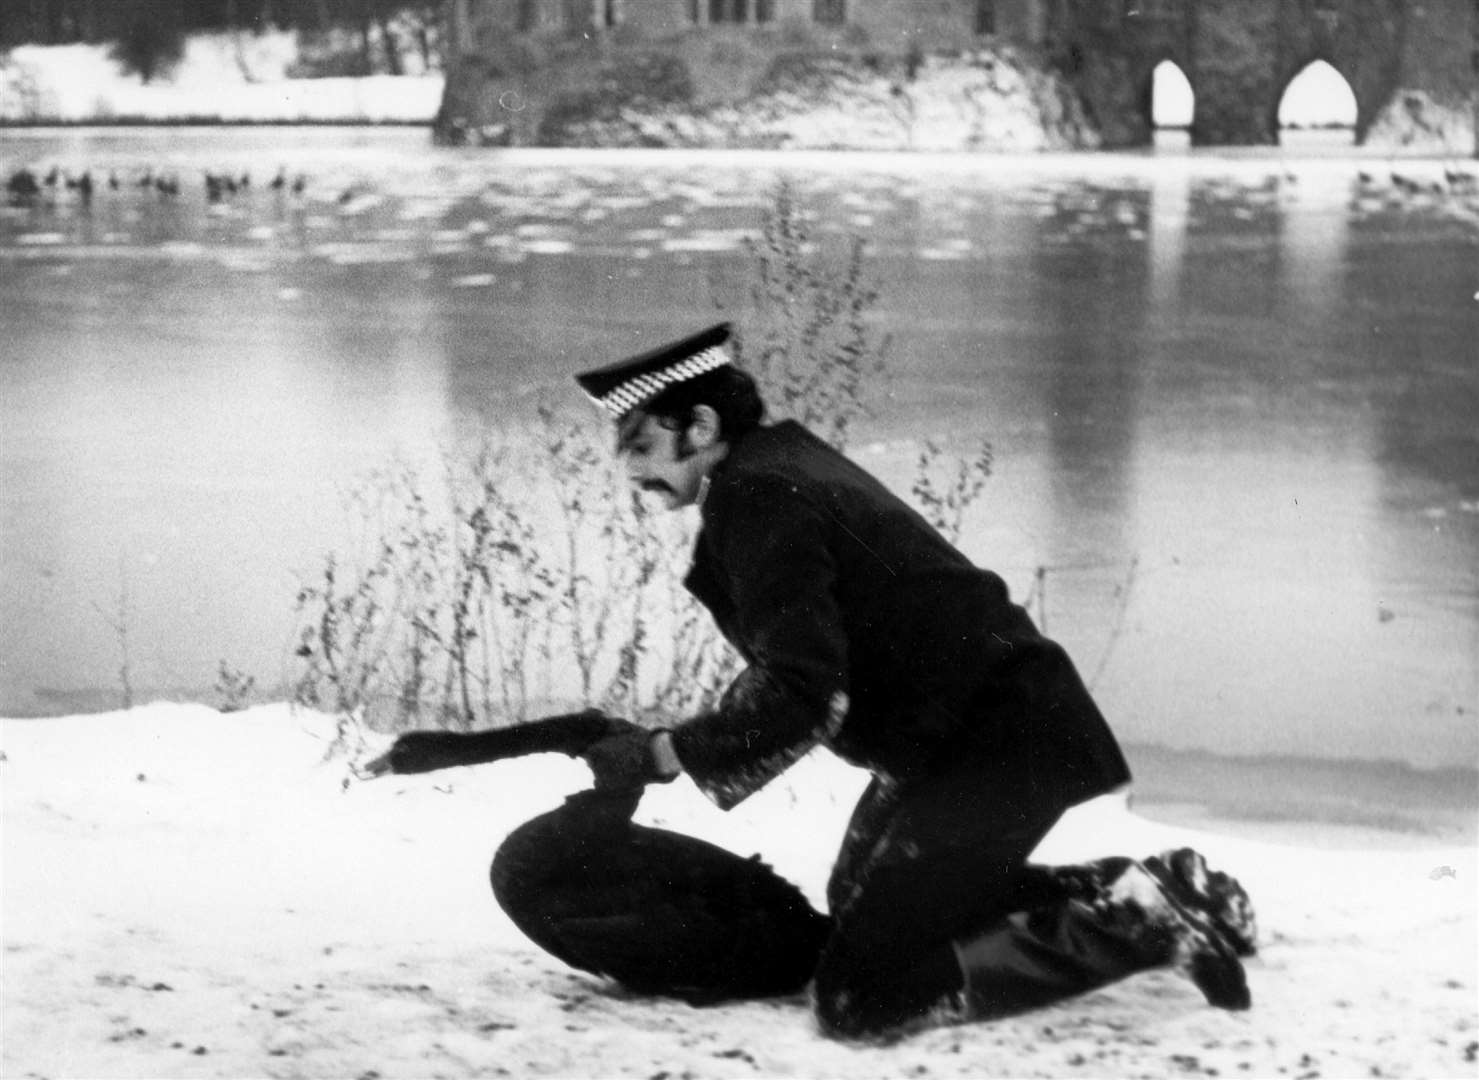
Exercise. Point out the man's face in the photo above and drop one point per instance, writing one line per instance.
(659, 461)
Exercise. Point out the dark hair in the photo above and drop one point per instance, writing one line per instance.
(727, 390)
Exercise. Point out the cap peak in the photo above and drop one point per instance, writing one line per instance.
(628, 384)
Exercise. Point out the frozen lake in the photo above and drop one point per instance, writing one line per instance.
(1253, 379)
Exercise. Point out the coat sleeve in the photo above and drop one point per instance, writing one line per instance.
(772, 546)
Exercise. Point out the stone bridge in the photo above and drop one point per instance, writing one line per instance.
(1241, 55)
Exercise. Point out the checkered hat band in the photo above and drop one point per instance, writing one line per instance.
(626, 396)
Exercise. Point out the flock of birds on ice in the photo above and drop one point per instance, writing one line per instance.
(26, 187)
(1448, 188)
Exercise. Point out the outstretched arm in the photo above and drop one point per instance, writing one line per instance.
(427, 751)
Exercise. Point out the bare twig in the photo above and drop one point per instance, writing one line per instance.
(118, 622)
(1122, 592)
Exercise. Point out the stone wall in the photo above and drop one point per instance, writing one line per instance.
(1435, 105)
(923, 24)
(1109, 59)
(1234, 74)
(661, 17)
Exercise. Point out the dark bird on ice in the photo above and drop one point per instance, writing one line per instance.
(1459, 180)
(23, 186)
(600, 892)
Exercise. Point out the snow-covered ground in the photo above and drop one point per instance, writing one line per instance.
(225, 77)
(192, 894)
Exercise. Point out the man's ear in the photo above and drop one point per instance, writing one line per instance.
(704, 430)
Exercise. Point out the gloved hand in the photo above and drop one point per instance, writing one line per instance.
(630, 759)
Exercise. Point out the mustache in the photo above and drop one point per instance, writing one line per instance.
(656, 485)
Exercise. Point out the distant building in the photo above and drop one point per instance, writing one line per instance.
(931, 22)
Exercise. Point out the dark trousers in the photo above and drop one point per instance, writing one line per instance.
(935, 912)
(938, 915)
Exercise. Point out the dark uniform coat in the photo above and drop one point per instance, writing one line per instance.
(865, 631)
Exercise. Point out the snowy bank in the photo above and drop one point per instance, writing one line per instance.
(225, 78)
(975, 102)
(191, 894)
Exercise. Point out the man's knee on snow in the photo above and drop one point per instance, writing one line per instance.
(880, 1001)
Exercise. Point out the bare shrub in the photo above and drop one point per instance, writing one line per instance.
(233, 688)
(813, 352)
(529, 577)
(945, 488)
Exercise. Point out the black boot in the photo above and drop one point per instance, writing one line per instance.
(1184, 874)
(1136, 903)
(1110, 919)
